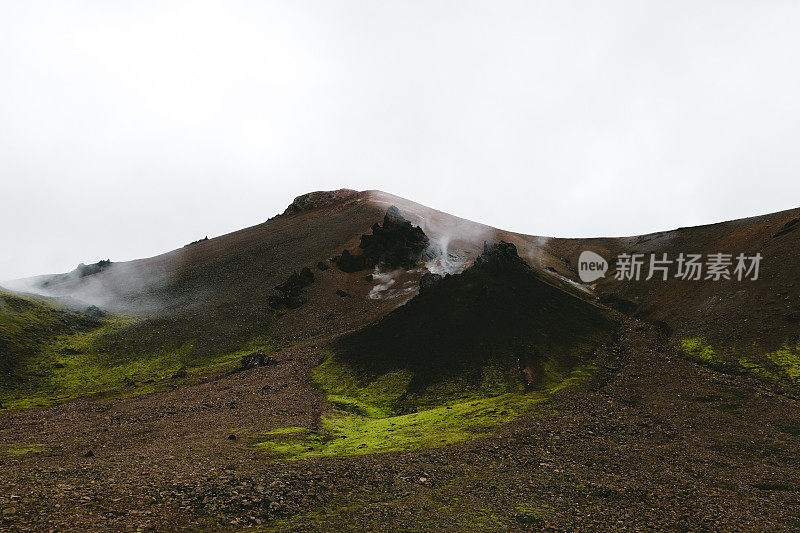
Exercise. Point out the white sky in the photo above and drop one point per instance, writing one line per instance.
(131, 128)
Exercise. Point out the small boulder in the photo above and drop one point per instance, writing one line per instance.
(257, 359)
(290, 292)
(297, 281)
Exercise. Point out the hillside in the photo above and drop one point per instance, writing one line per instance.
(499, 317)
(361, 358)
(748, 326)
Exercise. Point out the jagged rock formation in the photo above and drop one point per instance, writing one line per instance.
(198, 241)
(94, 268)
(81, 271)
(395, 244)
(290, 292)
(317, 199)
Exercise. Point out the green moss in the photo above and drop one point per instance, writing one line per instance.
(533, 515)
(287, 431)
(390, 394)
(345, 433)
(385, 412)
(780, 366)
(787, 358)
(69, 366)
(368, 395)
(700, 351)
(52, 364)
(29, 323)
(24, 449)
(751, 367)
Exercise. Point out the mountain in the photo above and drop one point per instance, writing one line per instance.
(360, 358)
(213, 295)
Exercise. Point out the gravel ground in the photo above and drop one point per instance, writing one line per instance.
(652, 443)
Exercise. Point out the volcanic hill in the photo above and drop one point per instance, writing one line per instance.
(364, 362)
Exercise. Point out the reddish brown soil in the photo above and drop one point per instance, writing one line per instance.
(734, 313)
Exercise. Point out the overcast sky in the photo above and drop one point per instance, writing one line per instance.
(131, 128)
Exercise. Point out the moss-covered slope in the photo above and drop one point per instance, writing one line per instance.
(27, 324)
(780, 367)
(50, 353)
(500, 326)
(467, 355)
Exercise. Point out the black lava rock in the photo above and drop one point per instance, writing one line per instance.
(290, 292)
(428, 280)
(395, 244)
(257, 359)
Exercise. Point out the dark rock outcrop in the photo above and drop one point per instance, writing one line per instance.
(501, 257)
(348, 262)
(428, 280)
(790, 226)
(94, 268)
(290, 292)
(317, 199)
(197, 241)
(297, 281)
(395, 244)
(81, 271)
(94, 312)
(257, 359)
